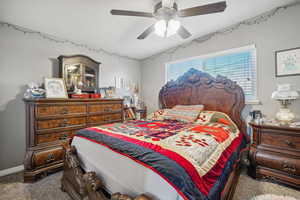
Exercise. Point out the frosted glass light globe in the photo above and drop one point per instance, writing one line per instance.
(173, 27)
(160, 28)
(166, 29)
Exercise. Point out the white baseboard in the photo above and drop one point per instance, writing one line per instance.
(11, 170)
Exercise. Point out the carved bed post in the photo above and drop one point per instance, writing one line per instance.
(72, 180)
(94, 188)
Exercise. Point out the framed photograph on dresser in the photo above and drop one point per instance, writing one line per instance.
(287, 62)
(55, 88)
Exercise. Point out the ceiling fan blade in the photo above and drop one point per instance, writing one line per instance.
(203, 10)
(168, 3)
(147, 32)
(131, 13)
(184, 34)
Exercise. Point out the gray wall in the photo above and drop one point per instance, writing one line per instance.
(280, 32)
(26, 58)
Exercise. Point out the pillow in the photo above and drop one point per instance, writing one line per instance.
(157, 115)
(214, 117)
(184, 113)
(189, 107)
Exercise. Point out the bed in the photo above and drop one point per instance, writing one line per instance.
(114, 159)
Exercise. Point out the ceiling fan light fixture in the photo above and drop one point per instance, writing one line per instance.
(160, 28)
(173, 27)
(166, 29)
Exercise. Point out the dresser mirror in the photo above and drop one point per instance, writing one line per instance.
(79, 72)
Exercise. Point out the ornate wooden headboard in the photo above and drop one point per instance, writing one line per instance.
(216, 94)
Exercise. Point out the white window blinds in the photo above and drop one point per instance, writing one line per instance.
(238, 65)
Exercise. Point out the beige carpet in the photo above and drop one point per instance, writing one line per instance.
(13, 188)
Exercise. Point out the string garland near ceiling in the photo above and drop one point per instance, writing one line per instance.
(253, 21)
(55, 39)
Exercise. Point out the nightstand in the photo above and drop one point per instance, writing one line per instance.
(275, 154)
(141, 112)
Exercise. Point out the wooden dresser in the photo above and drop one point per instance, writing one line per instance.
(275, 154)
(50, 122)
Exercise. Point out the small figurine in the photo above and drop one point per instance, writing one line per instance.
(34, 91)
(78, 90)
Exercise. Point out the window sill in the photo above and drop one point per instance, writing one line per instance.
(253, 102)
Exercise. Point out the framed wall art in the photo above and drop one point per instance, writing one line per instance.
(55, 88)
(287, 62)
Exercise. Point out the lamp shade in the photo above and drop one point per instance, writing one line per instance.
(284, 92)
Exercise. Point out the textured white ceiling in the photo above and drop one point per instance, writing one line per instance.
(90, 21)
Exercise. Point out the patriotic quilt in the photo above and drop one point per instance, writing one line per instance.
(195, 158)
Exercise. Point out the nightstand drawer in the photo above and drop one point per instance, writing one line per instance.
(275, 161)
(281, 141)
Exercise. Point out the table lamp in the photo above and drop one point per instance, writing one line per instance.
(285, 96)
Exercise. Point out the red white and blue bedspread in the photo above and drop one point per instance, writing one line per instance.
(195, 159)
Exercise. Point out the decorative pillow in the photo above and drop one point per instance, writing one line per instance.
(184, 113)
(189, 107)
(157, 115)
(206, 117)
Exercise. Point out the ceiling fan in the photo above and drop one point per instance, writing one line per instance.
(166, 13)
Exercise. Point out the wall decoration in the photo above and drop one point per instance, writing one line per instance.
(287, 62)
(55, 88)
(80, 73)
(58, 40)
(170, 52)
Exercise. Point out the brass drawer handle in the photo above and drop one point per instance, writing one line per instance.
(289, 143)
(64, 111)
(63, 137)
(289, 168)
(50, 158)
(64, 123)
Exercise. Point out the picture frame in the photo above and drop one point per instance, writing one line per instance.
(55, 88)
(287, 62)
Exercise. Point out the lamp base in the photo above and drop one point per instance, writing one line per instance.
(285, 116)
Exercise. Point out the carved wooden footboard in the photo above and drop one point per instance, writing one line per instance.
(79, 184)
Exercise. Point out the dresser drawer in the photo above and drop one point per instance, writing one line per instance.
(52, 137)
(276, 161)
(60, 123)
(107, 118)
(280, 141)
(58, 110)
(102, 108)
(47, 157)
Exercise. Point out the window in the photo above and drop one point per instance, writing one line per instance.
(236, 64)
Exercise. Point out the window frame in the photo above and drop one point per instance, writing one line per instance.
(251, 47)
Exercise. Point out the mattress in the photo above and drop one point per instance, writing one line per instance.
(122, 174)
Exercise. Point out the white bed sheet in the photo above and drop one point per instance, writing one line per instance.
(120, 173)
